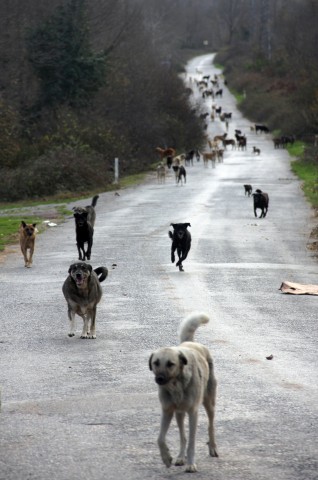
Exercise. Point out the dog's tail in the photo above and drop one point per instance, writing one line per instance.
(94, 200)
(190, 324)
(102, 273)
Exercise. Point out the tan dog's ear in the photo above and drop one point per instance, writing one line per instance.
(150, 360)
(183, 359)
(23, 224)
(34, 225)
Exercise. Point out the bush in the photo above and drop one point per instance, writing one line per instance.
(55, 172)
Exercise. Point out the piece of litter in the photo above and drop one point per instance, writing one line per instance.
(51, 224)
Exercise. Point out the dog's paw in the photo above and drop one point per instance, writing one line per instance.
(91, 336)
(71, 334)
(181, 268)
(191, 468)
(179, 461)
(213, 451)
(84, 336)
(165, 455)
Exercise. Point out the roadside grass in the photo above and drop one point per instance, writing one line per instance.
(240, 97)
(306, 168)
(132, 180)
(308, 173)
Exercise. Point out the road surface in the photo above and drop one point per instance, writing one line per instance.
(88, 409)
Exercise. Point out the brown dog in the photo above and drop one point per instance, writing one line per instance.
(27, 241)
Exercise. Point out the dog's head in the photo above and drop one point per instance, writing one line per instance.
(167, 364)
(28, 229)
(80, 273)
(180, 229)
(80, 215)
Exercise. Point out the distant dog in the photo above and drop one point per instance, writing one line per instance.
(84, 226)
(186, 379)
(256, 150)
(181, 241)
(27, 242)
(182, 175)
(83, 292)
(248, 189)
(161, 173)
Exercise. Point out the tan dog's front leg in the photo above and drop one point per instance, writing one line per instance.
(163, 447)
(24, 253)
(31, 256)
(183, 441)
(193, 422)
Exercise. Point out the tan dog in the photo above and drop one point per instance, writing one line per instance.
(186, 379)
(161, 173)
(27, 242)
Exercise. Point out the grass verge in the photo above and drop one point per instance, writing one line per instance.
(305, 166)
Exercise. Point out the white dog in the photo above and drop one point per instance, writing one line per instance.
(185, 378)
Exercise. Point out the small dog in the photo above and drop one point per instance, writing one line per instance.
(248, 189)
(83, 292)
(84, 227)
(27, 242)
(256, 150)
(181, 241)
(161, 173)
(186, 379)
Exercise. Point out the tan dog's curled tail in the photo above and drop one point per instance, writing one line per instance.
(190, 324)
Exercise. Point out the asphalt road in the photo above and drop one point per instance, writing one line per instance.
(88, 409)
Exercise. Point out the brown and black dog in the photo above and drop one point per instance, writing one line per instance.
(27, 241)
(82, 292)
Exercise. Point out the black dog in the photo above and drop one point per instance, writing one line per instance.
(84, 226)
(181, 241)
(248, 189)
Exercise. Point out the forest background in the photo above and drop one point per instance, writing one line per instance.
(85, 81)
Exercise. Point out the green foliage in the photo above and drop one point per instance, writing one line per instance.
(9, 132)
(308, 173)
(61, 57)
(297, 149)
(57, 171)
